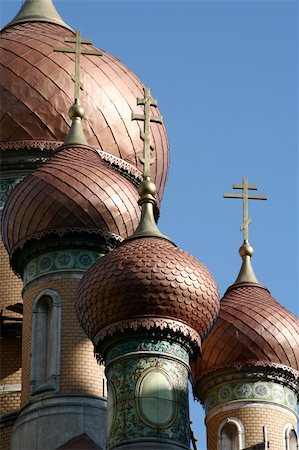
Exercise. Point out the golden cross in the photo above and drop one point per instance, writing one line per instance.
(78, 50)
(146, 159)
(245, 196)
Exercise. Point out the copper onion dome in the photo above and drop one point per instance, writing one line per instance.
(252, 329)
(141, 282)
(36, 90)
(147, 282)
(75, 189)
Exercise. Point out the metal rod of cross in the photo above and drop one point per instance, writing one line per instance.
(78, 50)
(245, 196)
(146, 159)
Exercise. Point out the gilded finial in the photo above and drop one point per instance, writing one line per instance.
(246, 250)
(38, 11)
(147, 188)
(76, 112)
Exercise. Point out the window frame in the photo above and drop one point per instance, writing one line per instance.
(51, 342)
(239, 428)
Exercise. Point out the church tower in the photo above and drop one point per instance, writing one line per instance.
(76, 203)
(248, 375)
(146, 306)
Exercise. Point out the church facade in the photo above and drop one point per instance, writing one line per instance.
(103, 318)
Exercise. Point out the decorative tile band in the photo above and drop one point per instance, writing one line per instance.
(148, 345)
(147, 395)
(6, 186)
(64, 260)
(260, 390)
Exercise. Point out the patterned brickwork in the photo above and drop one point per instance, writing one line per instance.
(253, 420)
(79, 370)
(5, 438)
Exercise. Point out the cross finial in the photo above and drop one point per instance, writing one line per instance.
(78, 50)
(246, 251)
(245, 196)
(147, 189)
(146, 159)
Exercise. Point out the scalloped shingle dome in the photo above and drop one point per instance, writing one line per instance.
(252, 329)
(75, 189)
(147, 277)
(36, 92)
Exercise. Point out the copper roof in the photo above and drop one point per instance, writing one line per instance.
(143, 278)
(252, 328)
(74, 189)
(36, 92)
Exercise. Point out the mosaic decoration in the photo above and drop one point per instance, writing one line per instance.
(262, 391)
(64, 260)
(148, 345)
(150, 395)
(6, 186)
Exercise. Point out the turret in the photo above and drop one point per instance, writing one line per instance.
(146, 307)
(247, 377)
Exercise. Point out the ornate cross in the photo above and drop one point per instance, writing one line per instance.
(245, 196)
(78, 50)
(146, 159)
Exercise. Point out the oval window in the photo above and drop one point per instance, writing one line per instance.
(156, 399)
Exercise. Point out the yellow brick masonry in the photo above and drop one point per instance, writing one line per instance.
(79, 370)
(10, 284)
(253, 419)
(5, 437)
(10, 348)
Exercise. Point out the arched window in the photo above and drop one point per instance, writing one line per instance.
(231, 434)
(290, 438)
(45, 342)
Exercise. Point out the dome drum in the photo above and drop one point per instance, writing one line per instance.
(156, 327)
(240, 375)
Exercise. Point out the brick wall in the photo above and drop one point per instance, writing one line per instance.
(253, 419)
(79, 370)
(10, 360)
(10, 347)
(9, 402)
(10, 284)
(5, 437)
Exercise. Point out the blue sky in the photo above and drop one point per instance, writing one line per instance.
(225, 76)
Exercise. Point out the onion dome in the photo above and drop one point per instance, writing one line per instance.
(147, 282)
(74, 191)
(36, 90)
(252, 330)
(140, 283)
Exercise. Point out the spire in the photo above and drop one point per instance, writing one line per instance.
(38, 11)
(147, 189)
(246, 250)
(76, 112)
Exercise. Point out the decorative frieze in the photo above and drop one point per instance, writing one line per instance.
(64, 260)
(253, 391)
(148, 345)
